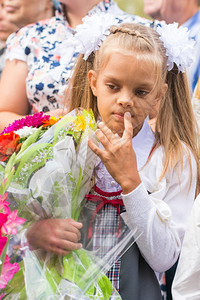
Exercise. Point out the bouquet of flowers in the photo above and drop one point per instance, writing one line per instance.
(47, 167)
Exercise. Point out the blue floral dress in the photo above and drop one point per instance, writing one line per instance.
(41, 46)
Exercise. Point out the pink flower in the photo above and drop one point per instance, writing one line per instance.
(8, 222)
(34, 120)
(4, 204)
(12, 222)
(3, 241)
(3, 219)
(8, 271)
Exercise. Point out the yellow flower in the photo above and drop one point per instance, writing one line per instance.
(80, 123)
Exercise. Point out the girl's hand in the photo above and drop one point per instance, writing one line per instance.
(118, 155)
(58, 236)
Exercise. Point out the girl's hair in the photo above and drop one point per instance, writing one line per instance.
(176, 123)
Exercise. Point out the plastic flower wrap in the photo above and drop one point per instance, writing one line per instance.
(48, 178)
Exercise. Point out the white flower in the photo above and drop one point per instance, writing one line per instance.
(25, 131)
(93, 32)
(178, 45)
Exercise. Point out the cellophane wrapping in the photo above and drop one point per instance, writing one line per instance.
(49, 178)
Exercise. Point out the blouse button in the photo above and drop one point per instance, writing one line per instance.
(112, 182)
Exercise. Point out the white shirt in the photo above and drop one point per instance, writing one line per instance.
(160, 217)
(186, 284)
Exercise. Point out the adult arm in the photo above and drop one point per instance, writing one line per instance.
(13, 100)
(14, 103)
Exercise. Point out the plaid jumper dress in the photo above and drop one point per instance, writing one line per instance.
(130, 274)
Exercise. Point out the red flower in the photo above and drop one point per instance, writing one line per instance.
(9, 143)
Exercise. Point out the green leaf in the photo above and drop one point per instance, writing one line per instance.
(10, 164)
(105, 286)
(53, 278)
(61, 125)
(2, 169)
(76, 207)
(30, 153)
(75, 272)
(6, 182)
(72, 271)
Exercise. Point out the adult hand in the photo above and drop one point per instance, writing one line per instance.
(118, 155)
(57, 113)
(58, 236)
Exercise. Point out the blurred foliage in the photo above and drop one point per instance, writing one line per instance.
(132, 6)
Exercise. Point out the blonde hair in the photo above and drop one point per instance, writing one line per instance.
(175, 120)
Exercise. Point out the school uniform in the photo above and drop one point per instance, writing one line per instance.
(156, 211)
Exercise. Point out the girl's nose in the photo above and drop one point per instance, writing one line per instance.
(125, 101)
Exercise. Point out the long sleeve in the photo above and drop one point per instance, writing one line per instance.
(186, 284)
(159, 210)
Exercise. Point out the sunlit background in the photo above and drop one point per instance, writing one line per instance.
(132, 6)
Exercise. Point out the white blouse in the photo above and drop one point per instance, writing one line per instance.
(186, 284)
(158, 209)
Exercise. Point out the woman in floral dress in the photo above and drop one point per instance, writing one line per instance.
(40, 61)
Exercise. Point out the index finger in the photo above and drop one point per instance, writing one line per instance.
(128, 127)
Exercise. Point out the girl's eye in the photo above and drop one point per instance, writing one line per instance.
(112, 86)
(141, 93)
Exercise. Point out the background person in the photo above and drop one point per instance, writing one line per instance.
(6, 28)
(187, 276)
(18, 13)
(152, 8)
(196, 102)
(24, 12)
(187, 14)
(43, 61)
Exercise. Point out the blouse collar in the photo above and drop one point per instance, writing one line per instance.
(143, 143)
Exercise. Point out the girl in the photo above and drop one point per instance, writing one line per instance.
(154, 175)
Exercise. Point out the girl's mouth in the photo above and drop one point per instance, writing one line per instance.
(10, 8)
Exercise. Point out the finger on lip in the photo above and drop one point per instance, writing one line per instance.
(127, 114)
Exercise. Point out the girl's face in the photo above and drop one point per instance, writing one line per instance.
(23, 12)
(125, 84)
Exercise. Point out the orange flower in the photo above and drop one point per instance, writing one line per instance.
(50, 122)
(9, 143)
